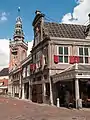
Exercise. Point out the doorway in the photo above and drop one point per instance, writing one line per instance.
(27, 90)
(65, 93)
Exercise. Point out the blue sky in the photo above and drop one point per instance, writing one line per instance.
(54, 9)
(65, 11)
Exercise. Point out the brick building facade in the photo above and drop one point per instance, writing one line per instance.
(60, 56)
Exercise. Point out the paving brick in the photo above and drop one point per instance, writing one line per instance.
(14, 109)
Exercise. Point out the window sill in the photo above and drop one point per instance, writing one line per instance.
(63, 63)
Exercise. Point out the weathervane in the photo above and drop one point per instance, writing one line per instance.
(18, 11)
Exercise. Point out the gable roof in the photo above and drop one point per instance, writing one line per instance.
(65, 30)
(4, 72)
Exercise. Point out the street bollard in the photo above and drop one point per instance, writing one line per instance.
(58, 103)
(79, 103)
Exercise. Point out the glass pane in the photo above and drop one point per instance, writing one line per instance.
(65, 59)
(60, 50)
(60, 58)
(86, 51)
(86, 59)
(80, 51)
(65, 50)
(81, 59)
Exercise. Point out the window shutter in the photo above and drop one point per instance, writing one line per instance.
(56, 59)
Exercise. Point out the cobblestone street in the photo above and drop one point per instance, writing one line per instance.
(13, 109)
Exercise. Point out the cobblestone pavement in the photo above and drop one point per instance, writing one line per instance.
(13, 109)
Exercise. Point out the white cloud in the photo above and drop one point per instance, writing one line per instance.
(3, 17)
(80, 13)
(30, 44)
(4, 53)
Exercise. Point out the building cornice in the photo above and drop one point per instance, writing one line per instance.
(18, 43)
(69, 39)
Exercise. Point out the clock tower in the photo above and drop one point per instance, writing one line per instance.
(18, 48)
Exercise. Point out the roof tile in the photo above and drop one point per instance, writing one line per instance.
(65, 30)
(4, 72)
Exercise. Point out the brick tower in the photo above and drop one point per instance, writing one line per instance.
(18, 52)
(18, 48)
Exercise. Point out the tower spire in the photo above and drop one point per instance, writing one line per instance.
(18, 33)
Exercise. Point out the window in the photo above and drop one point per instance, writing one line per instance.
(63, 54)
(37, 34)
(60, 50)
(24, 72)
(83, 55)
(80, 51)
(38, 57)
(45, 58)
(45, 51)
(28, 70)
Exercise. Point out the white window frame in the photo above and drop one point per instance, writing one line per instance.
(24, 72)
(84, 55)
(28, 70)
(63, 53)
(38, 57)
